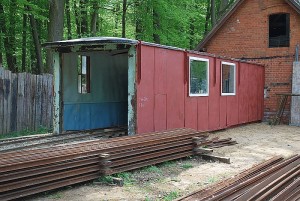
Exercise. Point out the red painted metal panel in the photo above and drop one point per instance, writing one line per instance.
(252, 91)
(175, 89)
(260, 95)
(160, 112)
(214, 95)
(160, 84)
(223, 112)
(202, 113)
(191, 113)
(145, 91)
(233, 102)
(243, 93)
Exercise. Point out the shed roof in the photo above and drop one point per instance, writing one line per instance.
(293, 3)
(90, 41)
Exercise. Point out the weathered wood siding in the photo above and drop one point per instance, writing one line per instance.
(25, 101)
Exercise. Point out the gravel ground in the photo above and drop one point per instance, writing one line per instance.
(257, 142)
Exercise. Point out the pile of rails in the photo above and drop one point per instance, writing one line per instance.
(274, 180)
(28, 172)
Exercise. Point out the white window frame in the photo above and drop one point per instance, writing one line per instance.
(234, 80)
(207, 75)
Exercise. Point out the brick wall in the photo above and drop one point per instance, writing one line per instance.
(245, 35)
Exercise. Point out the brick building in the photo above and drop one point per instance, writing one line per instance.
(263, 31)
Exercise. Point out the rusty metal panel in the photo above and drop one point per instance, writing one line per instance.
(145, 91)
(252, 91)
(175, 89)
(203, 113)
(243, 93)
(214, 95)
(160, 112)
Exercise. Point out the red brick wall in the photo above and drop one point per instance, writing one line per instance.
(245, 35)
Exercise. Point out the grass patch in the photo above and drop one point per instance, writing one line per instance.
(106, 179)
(126, 176)
(54, 196)
(167, 164)
(186, 166)
(153, 169)
(171, 196)
(26, 132)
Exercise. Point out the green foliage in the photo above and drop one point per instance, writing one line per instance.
(26, 132)
(153, 169)
(186, 166)
(126, 176)
(171, 196)
(106, 179)
(177, 23)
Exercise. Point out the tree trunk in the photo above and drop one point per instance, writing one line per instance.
(124, 19)
(55, 27)
(83, 18)
(207, 18)
(223, 7)
(156, 24)
(138, 21)
(68, 16)
(213, 12)
(94, 21)
(9, 53)
(24, 41)
(77, 19)
(37, 45)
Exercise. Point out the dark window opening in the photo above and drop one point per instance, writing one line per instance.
(279, 30)
(84, 75)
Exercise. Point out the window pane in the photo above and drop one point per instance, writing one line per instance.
(228, 76)
(83, 65)
(198, 77)
(279, 30)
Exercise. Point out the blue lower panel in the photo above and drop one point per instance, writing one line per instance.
(84, 116)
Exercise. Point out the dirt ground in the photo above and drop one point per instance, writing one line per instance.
(256, 143)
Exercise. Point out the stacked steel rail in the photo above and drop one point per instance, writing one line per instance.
(275, 180)
(28, 172)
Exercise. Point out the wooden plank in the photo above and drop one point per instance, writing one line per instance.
(5, 103)
(14, 105)
(20, 102)
(223, 112)
(1, 106)
(215, 158)
(9, 98)
(49, 101)
(38, 101)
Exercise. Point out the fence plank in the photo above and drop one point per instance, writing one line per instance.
(14, 104)
(1, 105)
(25, 101)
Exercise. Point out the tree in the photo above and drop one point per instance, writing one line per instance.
(124, 10)
(55, 27)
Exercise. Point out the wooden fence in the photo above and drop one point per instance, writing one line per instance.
(25, 101)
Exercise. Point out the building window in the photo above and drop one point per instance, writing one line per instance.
(228, 78)
(279, 30)
(198, 77)
(84, 74)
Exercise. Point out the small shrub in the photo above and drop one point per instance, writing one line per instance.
(171, 196)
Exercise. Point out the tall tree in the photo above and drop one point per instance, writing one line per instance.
(156, 23)
(24, 41)
(37, 45)
(124, 10)
(55, 27)
(8, 44)
(83, 17)
(213, 12)
(94, 21)
(68, 16)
